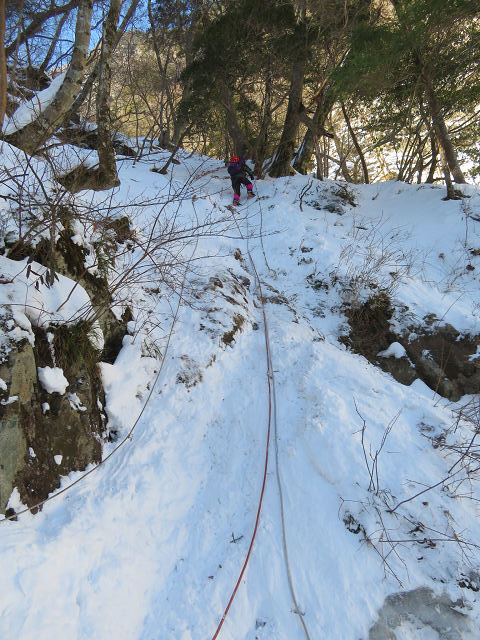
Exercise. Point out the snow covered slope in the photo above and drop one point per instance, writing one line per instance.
(151, 544)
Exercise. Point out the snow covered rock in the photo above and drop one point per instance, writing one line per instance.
(52, 379)
(44, 418)
(18, 374)
(395, 350)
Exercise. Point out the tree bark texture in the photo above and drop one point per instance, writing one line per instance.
(34, 135)
(107, 172)
(448, 180)
(88, 84)
(441, 132)
(3, 65)
(433, 164)
(356, 144)
(241, 145)
(282, 163)
(307, 148)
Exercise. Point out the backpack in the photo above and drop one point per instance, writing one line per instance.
(235, 168)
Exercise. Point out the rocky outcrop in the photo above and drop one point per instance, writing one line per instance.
(437, 354)
(411, 611)
(446, 361)
(69, 259)
(46, 435)
(18, 373)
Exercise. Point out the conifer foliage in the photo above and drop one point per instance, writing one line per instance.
(359, 89)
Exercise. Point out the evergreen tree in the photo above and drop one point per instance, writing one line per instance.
(422, 52)
(239, 60)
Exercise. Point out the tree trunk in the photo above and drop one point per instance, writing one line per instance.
(451, 195)
(342, 158)
(164, 136)
(181, 123)
(34, 135)
(3, 65)
(356, 144)
(262, 138)
(441, 132)
(433, 164)
(240, 142)
(318, 158)
(303, 158)
(88, 84)
(283, 157)
(107, 171)
(447, 152)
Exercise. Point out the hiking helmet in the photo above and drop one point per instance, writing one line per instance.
(234, 158)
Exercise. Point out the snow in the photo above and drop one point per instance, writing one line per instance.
(95, 335)
(30, 110)
(142, 548)
(75, 402)
(476, 355)
(395, 350)
(32, 302)
(52, 379)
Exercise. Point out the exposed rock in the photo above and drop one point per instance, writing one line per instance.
(442, 360)
(39, 426)
(72, 426)
(370, 326)
(229, 336)
(19, 373)
(437, 354)
(421, 609)
(69, 259)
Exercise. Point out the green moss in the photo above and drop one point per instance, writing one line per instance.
(72, 253)
(73, 346)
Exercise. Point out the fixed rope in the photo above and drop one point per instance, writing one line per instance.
(296, 609)
(264, 479)
(272, 411)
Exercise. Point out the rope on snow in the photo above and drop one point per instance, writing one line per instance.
(272, 411)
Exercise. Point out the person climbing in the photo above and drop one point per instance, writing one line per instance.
(238, 171)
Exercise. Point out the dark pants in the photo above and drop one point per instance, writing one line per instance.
(238, 180)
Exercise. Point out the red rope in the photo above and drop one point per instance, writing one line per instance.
(257, 519)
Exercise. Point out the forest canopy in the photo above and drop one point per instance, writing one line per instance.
(359, 90)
